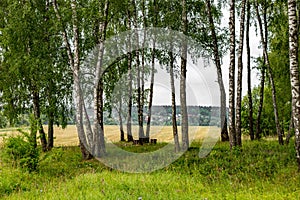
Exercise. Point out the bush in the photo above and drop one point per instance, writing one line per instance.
(18, 151)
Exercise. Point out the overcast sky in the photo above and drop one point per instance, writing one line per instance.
(202, 87)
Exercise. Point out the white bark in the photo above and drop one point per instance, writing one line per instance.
(74, 62)
(232, 131)
(294, 73)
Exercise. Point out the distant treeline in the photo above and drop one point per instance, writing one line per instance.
(162, 115)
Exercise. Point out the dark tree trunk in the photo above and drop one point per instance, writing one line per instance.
(144, 139)
(99, 133)
(50, 89)
(37, 116)
(50, 131)
(270, 74)
(260, 106)
(129, 108)
(224, 130)
(262, 84)
(150, 94)
(251, 132)
(129, 130)
(174, 121)
(122, 135)
(120, 110)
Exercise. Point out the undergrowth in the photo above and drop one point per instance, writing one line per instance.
(259, 170)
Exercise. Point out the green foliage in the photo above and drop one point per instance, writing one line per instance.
(19, 151)
(267, 121)
(32, 61)
(260, 170)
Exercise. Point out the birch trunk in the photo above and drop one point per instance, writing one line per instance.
(50, 90)
(138, 79)
(251, 132)
(232, 131)
(224, 132)
(261, 102)
(144, 139)
(183, 70)
(84, 142)
(122, 135)
(149, 115)
(50, 113)
(98, 137)
(270, 74)
(262, 83)
(37, 116)
(120, 110)
(174, 121)
(240, 78)
(74, 62)
(151, 91)
(50, 143)
(294, 73)
(129, 107)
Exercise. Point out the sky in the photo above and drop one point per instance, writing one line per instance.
(202, 87)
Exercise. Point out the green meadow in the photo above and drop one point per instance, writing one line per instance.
(260, 170)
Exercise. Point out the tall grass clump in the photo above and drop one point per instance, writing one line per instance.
(18, 151)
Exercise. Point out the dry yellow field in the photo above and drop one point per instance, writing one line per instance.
(68, 136)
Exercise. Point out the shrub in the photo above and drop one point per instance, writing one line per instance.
(18, 151)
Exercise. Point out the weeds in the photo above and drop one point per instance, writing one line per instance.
(260, 170)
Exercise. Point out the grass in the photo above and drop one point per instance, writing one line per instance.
(261, 170)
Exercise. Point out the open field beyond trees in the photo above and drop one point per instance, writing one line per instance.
(69, 137)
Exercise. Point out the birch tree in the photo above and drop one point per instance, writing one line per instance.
(151, 89)
(173, 99)
(294, 72)
(99, 142)
(130, 78)
(91, 140)
(251, 131)
(183, 70)
(262, 81)
(232, 130)
(270, 74)
(217, 60)
(240, 77)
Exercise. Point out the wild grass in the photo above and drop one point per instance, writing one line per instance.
(260, 170)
